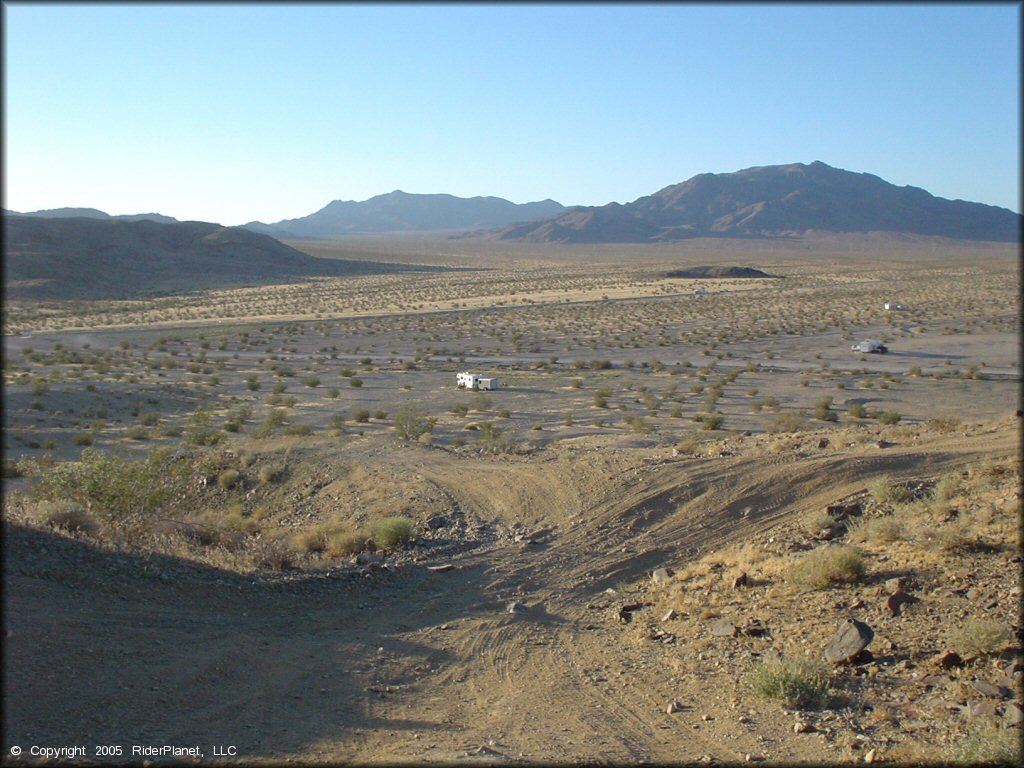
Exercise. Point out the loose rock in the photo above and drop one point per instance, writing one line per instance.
(517, 607)
(850, 639)
(948, 660)
(662, 575)
(723, 628)
(897, 600)
(741, 581)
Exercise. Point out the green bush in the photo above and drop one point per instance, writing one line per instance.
(354, 382)
(712, 421)
(828, 565)
(857, 411)
(795, 682)
(270, 422)
(113, 487)
(889, 417)
(390, 532)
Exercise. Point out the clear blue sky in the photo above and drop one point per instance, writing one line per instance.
(241, 112)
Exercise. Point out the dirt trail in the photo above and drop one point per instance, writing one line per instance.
(415, 665)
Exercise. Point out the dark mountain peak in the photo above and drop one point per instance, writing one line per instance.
(405, 211)
(774, 201)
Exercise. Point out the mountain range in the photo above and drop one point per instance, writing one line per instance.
(116, 258)
(777, 201)
(402, 212)
(91, 213)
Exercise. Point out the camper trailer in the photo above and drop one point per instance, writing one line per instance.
(475, 381)
(870, 345)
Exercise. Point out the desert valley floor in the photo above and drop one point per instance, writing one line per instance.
(683, 487)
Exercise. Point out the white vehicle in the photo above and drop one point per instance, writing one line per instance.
(870, 345)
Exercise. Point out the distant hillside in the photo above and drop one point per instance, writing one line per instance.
(776, 201)
(402, 212)
(92, 213)
(96, 258)
(718, 272)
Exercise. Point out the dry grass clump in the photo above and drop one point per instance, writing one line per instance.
(344, 542)
(273, 555)
(817, 521)
(979, 637)
(989, 745)
(796, 682)
(828, 565)
(67, 515)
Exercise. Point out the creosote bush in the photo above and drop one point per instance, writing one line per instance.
(796, 682)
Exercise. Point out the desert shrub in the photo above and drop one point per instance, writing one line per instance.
(270, 422)
(879, 530)
(311, 381)
(712, 421)
(951, 537)
(889, 417)
(411, 422)
(828, 565)
(345, 542)
(857, 411)
(298, 430)
(83, 438)
(638, 424)
(888, 491)
(389, 532)
(354, 382)
(784, 422)
(361, 416)
(947, 487)
(271, 473)
(273, 555)
(979, 637)
(279, 388)
(459, 409)
(796, 682)
(200, 432)
(944, 425)
(333, 393)
(228, 478)
(817, 521)
(114, 487)
(137, 433)
(311, 540)
(823, 410)
(67, 515)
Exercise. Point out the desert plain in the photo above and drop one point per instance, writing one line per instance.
(265, 518)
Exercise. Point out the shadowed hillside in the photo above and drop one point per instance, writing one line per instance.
(93, 258)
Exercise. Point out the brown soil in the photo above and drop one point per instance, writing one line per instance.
(402, 663)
